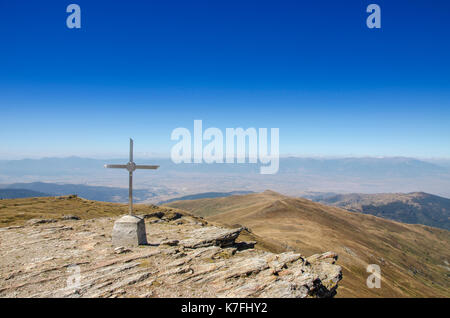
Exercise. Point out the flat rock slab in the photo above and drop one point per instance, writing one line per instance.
(211, 235)
(129, 231)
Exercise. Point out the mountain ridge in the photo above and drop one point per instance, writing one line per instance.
(413, 258)
(413, 208)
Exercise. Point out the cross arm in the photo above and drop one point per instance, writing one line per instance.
(146, 167)
(116, 166)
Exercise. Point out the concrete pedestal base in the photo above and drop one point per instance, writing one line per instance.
(129, 231)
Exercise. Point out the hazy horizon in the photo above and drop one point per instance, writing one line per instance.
(295, 176)
(138, 156)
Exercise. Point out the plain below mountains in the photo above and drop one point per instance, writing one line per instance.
(414, 259)
(97, 193)
(413, 208)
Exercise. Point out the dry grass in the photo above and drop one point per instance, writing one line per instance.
(412, 257)
(18, 211)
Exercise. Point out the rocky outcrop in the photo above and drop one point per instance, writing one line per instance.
(210, 236)
(185, 257)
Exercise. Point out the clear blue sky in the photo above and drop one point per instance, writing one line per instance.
(142, 68)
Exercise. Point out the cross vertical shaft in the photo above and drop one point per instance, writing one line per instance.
(130, 194)
(130, 182)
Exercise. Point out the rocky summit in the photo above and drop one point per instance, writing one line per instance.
(185, 257)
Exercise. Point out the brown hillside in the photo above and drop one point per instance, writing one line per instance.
(412, 208)
(414, 259)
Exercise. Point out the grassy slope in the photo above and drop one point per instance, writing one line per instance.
(18, 211)
(412, 257)
(15, 212)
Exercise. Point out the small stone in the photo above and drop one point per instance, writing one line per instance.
(158, 215)
(319, 257)
(170, 216)
(169, 242)
(40, 221)
(121, 250)
(70, 217)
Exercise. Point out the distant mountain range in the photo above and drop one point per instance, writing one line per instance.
(362, 167)
(106, 194)
(205, 195)
(295, 176)
(20, 193)
(413, 208)
(414, 258)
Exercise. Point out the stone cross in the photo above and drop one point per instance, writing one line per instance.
(131, 167)
(129, 230)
